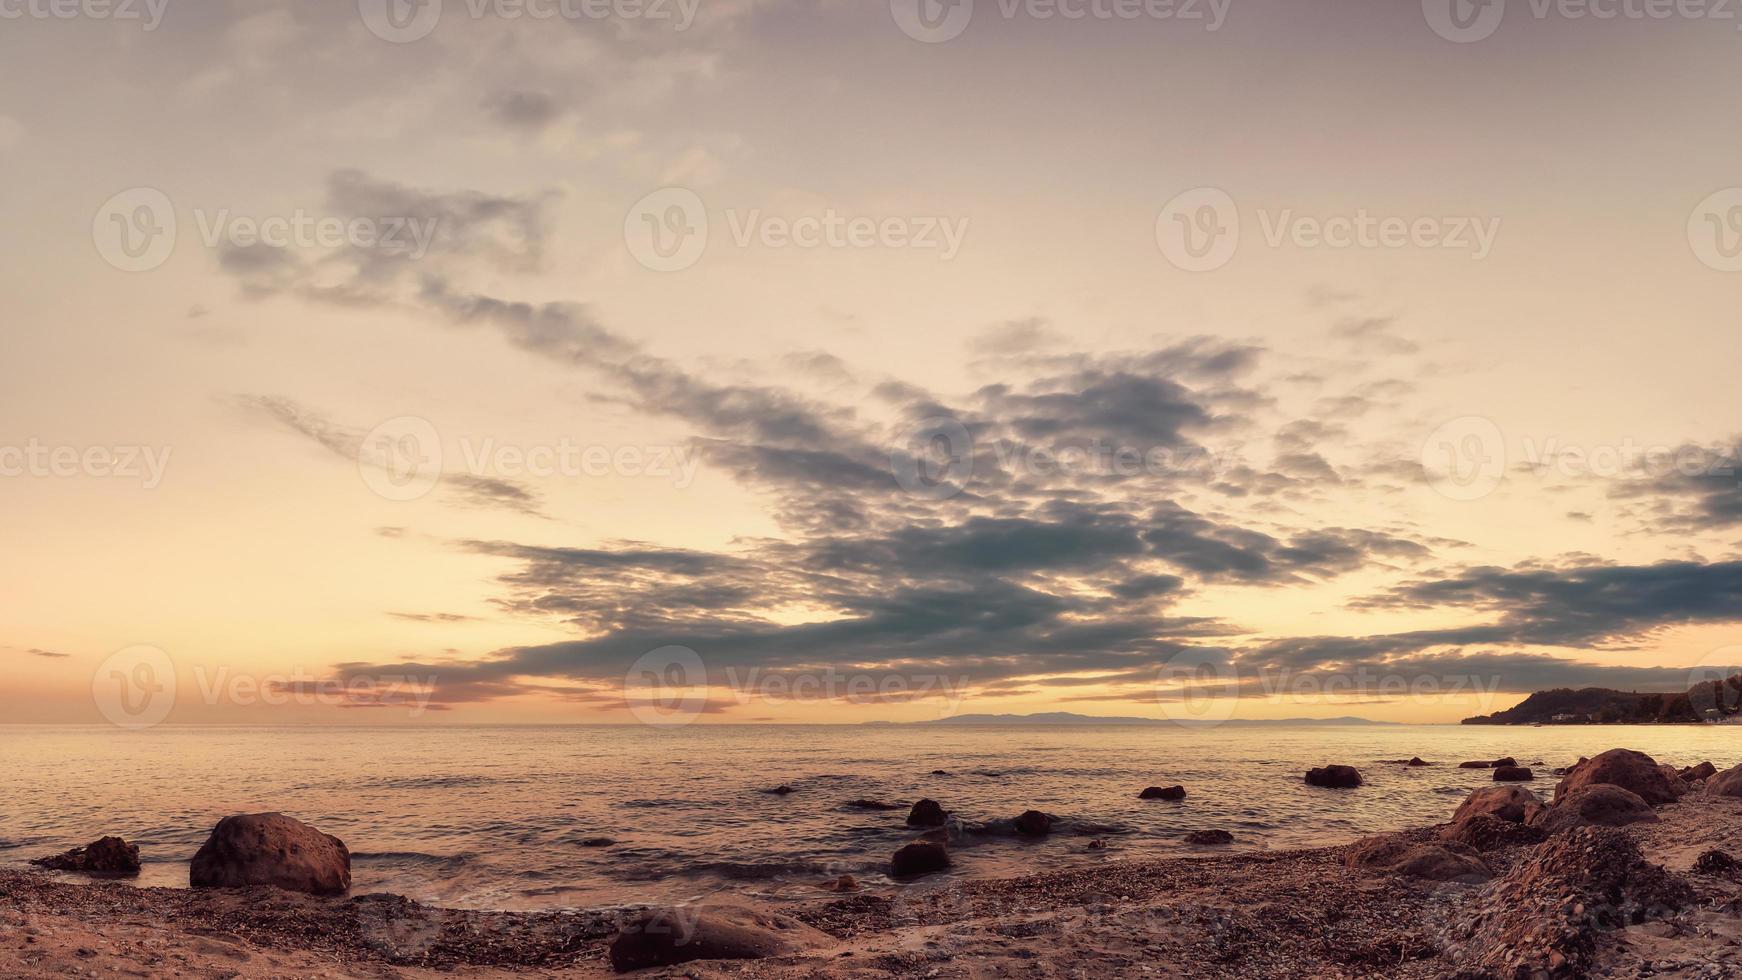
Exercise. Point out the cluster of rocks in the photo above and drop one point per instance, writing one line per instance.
(251, 849)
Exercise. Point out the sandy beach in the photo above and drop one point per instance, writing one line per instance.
(1585, 901)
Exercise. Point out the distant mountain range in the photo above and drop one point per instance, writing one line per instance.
(1068, 718)
(1713, 701)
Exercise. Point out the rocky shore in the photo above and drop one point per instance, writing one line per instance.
(1627, 869)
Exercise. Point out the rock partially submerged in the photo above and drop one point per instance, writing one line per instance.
(927, 813)
(871, 805)
(1596, 805)
(1335, 777)
(271, 849)
(1163, 793)
(668, 936)
(1034, 823)
(1635, 772)
(919, 858)
(105, 857)
(1209, 838)
(1513, 774)
(1495, 764)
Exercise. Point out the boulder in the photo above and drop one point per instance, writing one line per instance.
(271, 849)
(597, 842)
(107, 856)
(1163, 793)
(1034, 823)
(780, 790)
(845, 883)
(1399, 854)
(1673, 776)
(1599, 804)
(1415, 761)
(1485, 832)
(1209, 838)
(1513, 774)
(1633, 771)
(1546, 916)
(919, 858)
(1504, 802)
(1726, 783)
(1336, 777)
(1704, 770)
(926, 813)
(668, 936)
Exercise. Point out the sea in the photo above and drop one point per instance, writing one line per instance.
(517, 817)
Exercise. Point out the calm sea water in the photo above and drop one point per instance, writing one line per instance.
(493, 817)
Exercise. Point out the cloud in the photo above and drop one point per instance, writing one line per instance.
(524, 111)
(48, 654)
(347, 442)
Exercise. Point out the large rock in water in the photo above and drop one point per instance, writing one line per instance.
(1336, 777)
(271, 849)
(919, 858)
(665, 937)
(1163, 793)
(926, 813)
(1635, 772)
(1726, 783)
(1513, 774)
(1599, 805)
(1505, 802)
(1034, 823)
(109, 856)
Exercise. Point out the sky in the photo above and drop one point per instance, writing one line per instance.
(810, 361)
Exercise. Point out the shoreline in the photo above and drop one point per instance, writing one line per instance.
(1283, 913)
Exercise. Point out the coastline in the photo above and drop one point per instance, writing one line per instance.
(1266, 914)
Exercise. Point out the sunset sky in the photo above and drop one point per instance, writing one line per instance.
(701, 280)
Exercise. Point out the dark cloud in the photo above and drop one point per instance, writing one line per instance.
(1691, 488)
(524, 111)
